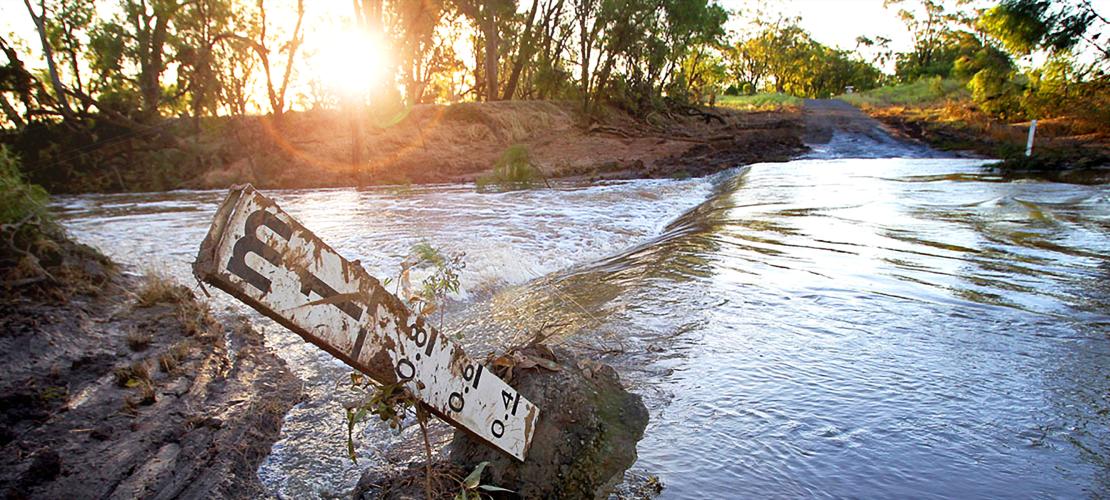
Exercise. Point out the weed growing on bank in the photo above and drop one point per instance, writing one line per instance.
(514, 170)
(19, 200)
(36, 258)
(391, 403)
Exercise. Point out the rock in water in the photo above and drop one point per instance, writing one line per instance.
(586, 435)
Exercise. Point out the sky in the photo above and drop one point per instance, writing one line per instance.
(836, 23)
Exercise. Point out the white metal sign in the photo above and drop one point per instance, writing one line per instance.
(262, 256)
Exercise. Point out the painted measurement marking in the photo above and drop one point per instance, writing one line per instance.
(265, 258)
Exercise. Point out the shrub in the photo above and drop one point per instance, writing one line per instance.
(513, 170)
(997, 93)
(19, 200)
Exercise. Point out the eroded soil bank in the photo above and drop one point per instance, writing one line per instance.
(116, 386)
(458, 143)
(426, 144)
(1060, 144)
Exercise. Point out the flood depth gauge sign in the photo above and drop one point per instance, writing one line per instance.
(259, 254)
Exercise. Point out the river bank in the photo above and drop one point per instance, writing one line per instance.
(116, 385)
(955, 126)
(423, 145)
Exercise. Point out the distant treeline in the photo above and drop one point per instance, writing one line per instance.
(116, 70)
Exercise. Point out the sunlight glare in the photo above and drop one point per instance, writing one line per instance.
(353, 61)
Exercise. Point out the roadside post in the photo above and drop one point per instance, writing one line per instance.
(263, 257)
(1029, 143)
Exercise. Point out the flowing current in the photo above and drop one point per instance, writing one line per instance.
(846, 327)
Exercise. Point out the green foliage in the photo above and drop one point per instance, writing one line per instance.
(1024, 26)
(443, 278)
(513, 170)
(763, 101)
(19, 200)
(940, 60)
(388, 402)
(998, 93)
(925, 91)
(784, 58)
(471, 488)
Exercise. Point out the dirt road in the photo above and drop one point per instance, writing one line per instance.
(836, 129)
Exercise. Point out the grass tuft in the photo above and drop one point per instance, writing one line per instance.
(172, 358)
(138, 340)
(158, 288)
(134, 375)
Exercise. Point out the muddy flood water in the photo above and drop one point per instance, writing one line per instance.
(845, 327)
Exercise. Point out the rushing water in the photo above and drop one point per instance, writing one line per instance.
(876, 328)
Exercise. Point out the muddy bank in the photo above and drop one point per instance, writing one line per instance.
(1061, 144)
(425, 144)
(120, 386)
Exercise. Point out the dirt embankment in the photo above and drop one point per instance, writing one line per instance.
(1060, 144)
(460, 142)
(425, 144)
(118, 387)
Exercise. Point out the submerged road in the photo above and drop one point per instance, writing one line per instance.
(873, 320)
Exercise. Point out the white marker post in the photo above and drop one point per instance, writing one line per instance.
(1029, 143)
(265, 258)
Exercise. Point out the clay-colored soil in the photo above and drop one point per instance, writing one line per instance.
(461, 142)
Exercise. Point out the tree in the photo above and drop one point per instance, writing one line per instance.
(932, 25)
(1025, 26)
(524, 52)
(48, 53)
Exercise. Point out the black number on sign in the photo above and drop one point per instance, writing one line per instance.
(507, 397)
(419, 336)
(497, 429)
(405, 370)
(470, 372)
(456, 402)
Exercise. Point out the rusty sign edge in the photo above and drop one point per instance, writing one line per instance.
(205, 268)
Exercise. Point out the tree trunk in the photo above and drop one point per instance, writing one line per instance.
(584, 72)
(152, 65)
(489, 32)
(48, 52)
(294, 44)
(524, 54)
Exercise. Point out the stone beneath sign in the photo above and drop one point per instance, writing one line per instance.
(584, 441)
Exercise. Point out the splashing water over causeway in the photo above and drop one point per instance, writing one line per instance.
(877, 327)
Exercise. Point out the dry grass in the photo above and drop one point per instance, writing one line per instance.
(158, 288)
(138, 340)
(172, 358)
(959, 126)
(196, 319)
(134, 375)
